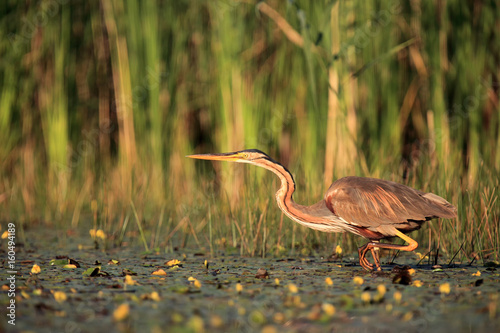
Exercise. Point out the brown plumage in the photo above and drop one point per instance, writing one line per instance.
(368, 207)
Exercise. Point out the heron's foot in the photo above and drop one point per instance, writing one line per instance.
(362, 258)
(363, 250)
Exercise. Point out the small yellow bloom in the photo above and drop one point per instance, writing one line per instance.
(293, 288)
(421, 256)
(445, 288)
(328, 308)
(358, 280)
(194, 282)
(155, 296)
(92, 233)
(329, 281)
(478, 273)
(5, 234)
(338, 250)
(397, 296)
(172, 262)
(36, 269)
(239, 288)
(407, 316)
(417, 283)
(60, 296)
(100, 234)
(277, 281)
(366, 297)
(381, 290)
(159, 271)
(411, 271)
(121, 312)
(130, 281)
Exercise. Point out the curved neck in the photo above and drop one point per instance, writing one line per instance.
(284, 195)
(317, 216)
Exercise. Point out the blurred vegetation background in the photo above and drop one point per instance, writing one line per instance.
(101, 100)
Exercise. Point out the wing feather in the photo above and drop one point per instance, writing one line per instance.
(371, 203)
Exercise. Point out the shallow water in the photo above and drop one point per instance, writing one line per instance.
(227, 296)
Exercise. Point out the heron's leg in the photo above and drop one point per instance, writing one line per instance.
(374, 246)
(376, 255)
(362, 257)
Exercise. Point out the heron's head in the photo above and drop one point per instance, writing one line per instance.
(252, 156)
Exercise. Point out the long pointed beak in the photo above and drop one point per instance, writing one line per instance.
(231, 157)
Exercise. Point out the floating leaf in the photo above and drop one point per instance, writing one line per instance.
(121, 312)
(92, 271)
(58, 262)
(114, 262)
(69, 266)
(127, 271)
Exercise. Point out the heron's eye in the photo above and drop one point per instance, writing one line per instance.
(246, 156)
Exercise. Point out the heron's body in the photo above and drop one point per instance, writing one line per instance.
(368, 207)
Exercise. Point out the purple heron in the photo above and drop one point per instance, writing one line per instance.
(368, 207)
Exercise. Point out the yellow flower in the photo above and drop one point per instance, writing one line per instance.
(411, 271)
(417, 283)
(194, 282)
(155, 296)
(293, 288)
(100, 234)
(130, 281)
(478, 273)
(60, 296)
(358, 280)
(159, 272)
(328, 308)
(366, 297)
(92, 233)
(397, 296)
(338, 250)
(329, 281)
(172, 262)
(239, 288)
(445, 288)
(277, 281)
(5, 234)
(35, 269)
(381, 290)
(121, 312)
(421, 256)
